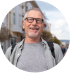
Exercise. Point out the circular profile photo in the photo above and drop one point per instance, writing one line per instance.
(34, 36)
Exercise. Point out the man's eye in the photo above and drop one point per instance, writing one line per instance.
(38, 20)
(30, 19)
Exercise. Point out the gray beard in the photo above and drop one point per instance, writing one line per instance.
(30, 35)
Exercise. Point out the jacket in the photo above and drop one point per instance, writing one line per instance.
(50, 60)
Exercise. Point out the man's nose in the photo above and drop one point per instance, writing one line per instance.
(34, 22)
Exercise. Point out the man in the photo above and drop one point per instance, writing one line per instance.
(33, 53)
(63, 49)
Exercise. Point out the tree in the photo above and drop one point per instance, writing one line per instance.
(57, 41)
(48, 37)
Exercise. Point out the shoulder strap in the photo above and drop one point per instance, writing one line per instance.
(50, 44)
(13, 48)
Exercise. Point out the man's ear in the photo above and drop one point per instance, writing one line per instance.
(23, 26)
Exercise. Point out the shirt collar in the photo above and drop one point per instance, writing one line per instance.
(43, 41)
(21, 43)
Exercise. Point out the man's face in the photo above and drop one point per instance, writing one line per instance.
(33, 29)
(63, 46)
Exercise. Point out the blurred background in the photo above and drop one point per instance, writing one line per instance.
(11, 31)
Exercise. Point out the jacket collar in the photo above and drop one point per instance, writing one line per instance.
(22, 42)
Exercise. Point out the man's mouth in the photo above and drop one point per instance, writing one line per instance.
(34, 28)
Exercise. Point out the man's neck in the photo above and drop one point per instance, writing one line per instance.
(32, 40)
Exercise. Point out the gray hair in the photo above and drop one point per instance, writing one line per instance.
(44, 18)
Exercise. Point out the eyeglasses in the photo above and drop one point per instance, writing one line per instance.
(38, 20)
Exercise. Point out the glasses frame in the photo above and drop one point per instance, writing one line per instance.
(34, 19)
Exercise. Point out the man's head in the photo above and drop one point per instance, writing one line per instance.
(33, 23)
(63, 45)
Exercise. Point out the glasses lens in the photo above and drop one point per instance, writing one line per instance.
(39, 21)
(30, 20)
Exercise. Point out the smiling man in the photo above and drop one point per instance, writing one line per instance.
(33, 25)
(33, 53)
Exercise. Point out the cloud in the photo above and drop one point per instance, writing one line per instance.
(55, 18)
(46, 6)
(59, 26)
(56, 32)
(59, 23)
(60, 35)
(53, 14)
(67, 29)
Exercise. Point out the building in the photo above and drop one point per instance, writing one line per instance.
(47, 27)
(13, 22)
(4, 36)
(12, 28)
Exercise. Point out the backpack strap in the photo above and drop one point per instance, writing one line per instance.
(13, 48)
(50, 44)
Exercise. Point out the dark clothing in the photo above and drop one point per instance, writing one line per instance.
(63, 50)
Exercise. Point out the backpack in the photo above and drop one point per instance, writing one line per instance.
(50, 44)
(13, 48)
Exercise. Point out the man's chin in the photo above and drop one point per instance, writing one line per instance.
(33, 35)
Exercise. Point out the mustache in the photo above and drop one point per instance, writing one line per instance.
(36, 27)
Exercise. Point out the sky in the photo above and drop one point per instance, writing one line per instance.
(59, 25)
